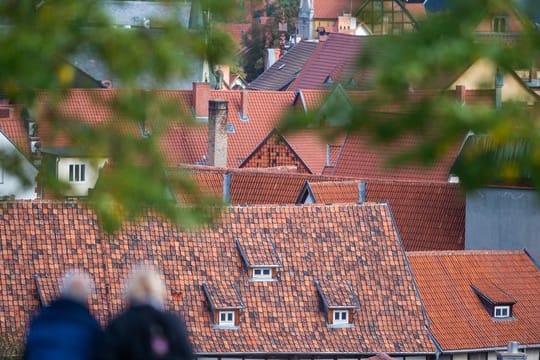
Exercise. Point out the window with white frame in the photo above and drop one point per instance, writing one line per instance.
(501, 311)
(226, 318)
(340, 317)
(77, 172)
(262, 273)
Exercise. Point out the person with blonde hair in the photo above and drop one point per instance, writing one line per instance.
(65, 329)
(145, 330)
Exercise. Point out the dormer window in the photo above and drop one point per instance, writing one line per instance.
(225, 305)
(501, 311)
(77, 173)
(262, 273)
(338, 302)
(495, 300)
(226, 318)
(341, 317)
(261, 259)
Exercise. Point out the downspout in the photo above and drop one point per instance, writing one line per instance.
(499, 82)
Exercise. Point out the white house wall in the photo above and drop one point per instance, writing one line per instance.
(11, 185)
(92, 167)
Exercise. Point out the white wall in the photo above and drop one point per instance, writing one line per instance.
(92, 167)
(10, 185)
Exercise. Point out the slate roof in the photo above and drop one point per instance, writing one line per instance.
(280, 75)
(428, 216)
(459, 321)
(249, 186)
(350, 243)
(334, 57)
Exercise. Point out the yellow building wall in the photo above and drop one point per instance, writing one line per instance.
(481, 75)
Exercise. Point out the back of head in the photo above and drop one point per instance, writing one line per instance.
(76, 285)
(145, 286)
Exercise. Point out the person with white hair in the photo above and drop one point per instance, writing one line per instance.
(145, 330)
(65, 329)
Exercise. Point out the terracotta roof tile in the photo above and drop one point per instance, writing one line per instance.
(236, 31)
(459, 321)
(259, 253)
(492, 292)
(251, 186)
(428, 216)
(337, 294)
(223, 296)
(325, 9)
(12, 126)
(361, 158)
(314, 242)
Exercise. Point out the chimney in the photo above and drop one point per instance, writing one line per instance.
(244, 104)
(461, 94)
(512, 353)
(201, 96)
(361, 192)
(328, 154)
(227, 187)
(217, 132)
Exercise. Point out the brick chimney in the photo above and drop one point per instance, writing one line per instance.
(200, 98)
(461, 94)
(244, 103)
(217, 132)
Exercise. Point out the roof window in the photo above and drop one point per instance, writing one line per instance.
(225, 305)
(261, 259)
(338, 301)
(494, 299)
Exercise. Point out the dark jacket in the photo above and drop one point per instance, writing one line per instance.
(142, 332)
(64, 330)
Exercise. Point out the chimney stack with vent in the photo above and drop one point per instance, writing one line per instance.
(512, 352)
(227, 187)
(201, 96)
(361, 192)
(461, 93)
(217, 132)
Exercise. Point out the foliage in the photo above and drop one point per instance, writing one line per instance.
(262, 36)
(38, 37)
(446, 43)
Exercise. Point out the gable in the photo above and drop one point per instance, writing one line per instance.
(386, 17)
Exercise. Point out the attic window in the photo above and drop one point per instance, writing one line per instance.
(261, 259)
(77, 173)
(262, 273)
(341, 317)
(495, 300)
(338, 302)
(226, 318)
(501, 311)
(281, 66)
(499, 24)
(230, 128)
(225, 305)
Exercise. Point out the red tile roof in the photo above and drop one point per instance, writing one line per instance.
(361, 158)
(236, 31)
(13, 127)
(314, 242)
(181, 143)
(459, 321)
(428, 216)
(250, 186)
(335, 56)
(331, 9)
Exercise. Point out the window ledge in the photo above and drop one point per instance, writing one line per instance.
(340, 326)
(226, 327)
(262, 280)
